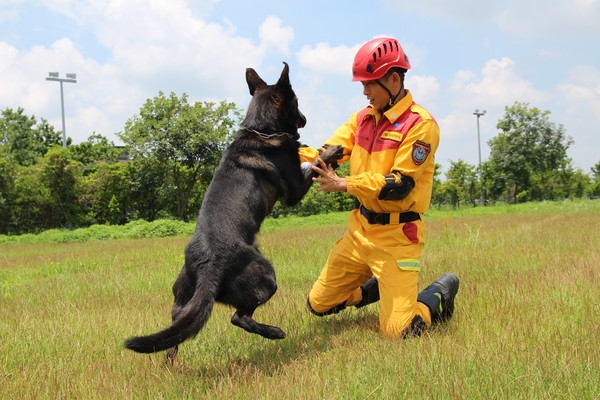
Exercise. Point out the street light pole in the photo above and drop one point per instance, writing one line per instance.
(71, 78)
(480, 114)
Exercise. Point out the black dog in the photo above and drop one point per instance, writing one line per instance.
(222, 261)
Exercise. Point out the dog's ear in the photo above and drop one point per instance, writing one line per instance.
(254, 81)
(284, 79)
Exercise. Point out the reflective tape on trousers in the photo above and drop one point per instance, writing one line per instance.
(409, 264)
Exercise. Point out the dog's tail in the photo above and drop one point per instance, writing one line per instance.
(192, 318)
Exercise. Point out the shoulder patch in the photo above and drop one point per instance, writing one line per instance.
(420, 152)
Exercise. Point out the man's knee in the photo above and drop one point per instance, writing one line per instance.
(334, 310)
(416, 328)
(403, 329)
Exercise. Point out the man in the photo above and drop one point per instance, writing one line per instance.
(390, 145)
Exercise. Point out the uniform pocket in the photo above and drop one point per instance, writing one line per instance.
(411, 231)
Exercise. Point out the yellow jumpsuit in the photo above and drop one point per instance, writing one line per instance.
(401, 142)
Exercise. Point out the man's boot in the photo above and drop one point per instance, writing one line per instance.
(439, 297)
(370, 292)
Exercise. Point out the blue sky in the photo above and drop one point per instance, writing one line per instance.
(466, 55)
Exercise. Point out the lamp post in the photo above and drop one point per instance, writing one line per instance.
(480, 114)
(71, 78)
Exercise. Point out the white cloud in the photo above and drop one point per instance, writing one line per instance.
(274, 35)
(22, 73)
(451, 125)
(165, 43)
(525, 18)
(578, 109)
(424, 88)
(8, 15)
(541, 19)
(470, 12)
(499, 85)
(496, 86)
(581, 96)
(326, 59)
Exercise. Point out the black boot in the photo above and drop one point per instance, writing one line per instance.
(439, 297)
(370, 292)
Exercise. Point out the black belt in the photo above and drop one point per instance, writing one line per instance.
(384, 218)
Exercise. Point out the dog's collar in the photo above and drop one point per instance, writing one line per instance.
(270, 135)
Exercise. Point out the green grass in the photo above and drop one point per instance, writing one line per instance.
(526, 325)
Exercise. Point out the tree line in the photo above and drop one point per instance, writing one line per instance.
(528, 162)
(171, 149)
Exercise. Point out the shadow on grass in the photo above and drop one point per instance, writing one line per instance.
(322, 334)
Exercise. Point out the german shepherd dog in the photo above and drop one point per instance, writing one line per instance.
(222, 260)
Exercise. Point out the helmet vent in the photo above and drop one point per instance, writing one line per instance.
(387, 47)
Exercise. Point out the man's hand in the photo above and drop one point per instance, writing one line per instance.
(329, 180)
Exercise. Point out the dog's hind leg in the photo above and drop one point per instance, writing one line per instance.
(171, 355)
(183, 290)
(253, 286)
(243, 319)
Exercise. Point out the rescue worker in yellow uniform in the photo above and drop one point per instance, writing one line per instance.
(390, 145)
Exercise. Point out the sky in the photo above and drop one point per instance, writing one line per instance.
(466, 55)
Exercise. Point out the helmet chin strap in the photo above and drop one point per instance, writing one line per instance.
(392, 97)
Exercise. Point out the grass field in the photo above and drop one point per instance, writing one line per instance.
(526, 324)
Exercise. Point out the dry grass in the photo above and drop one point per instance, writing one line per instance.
(526, 324)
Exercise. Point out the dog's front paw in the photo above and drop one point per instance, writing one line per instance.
(332, 154)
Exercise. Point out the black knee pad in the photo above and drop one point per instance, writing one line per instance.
(416, 328)
(333, 310)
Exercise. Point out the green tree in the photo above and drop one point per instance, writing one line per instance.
(59, 175)
(450, 193)
(8, 176)
(579, 183)
(595, 184)
(107, 194)
(184, 142)
(493, 183)
(45, 195)
(148, 183)
(437, 192)
(95, 150)
(529, 155)
(23, 139)
(29, 200)
(461, 183)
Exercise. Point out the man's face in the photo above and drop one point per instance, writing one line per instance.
(378, 97)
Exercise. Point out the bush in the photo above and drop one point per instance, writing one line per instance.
(133, 230)
(161, 228)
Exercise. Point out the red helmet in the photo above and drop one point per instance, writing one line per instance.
(376, 57)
